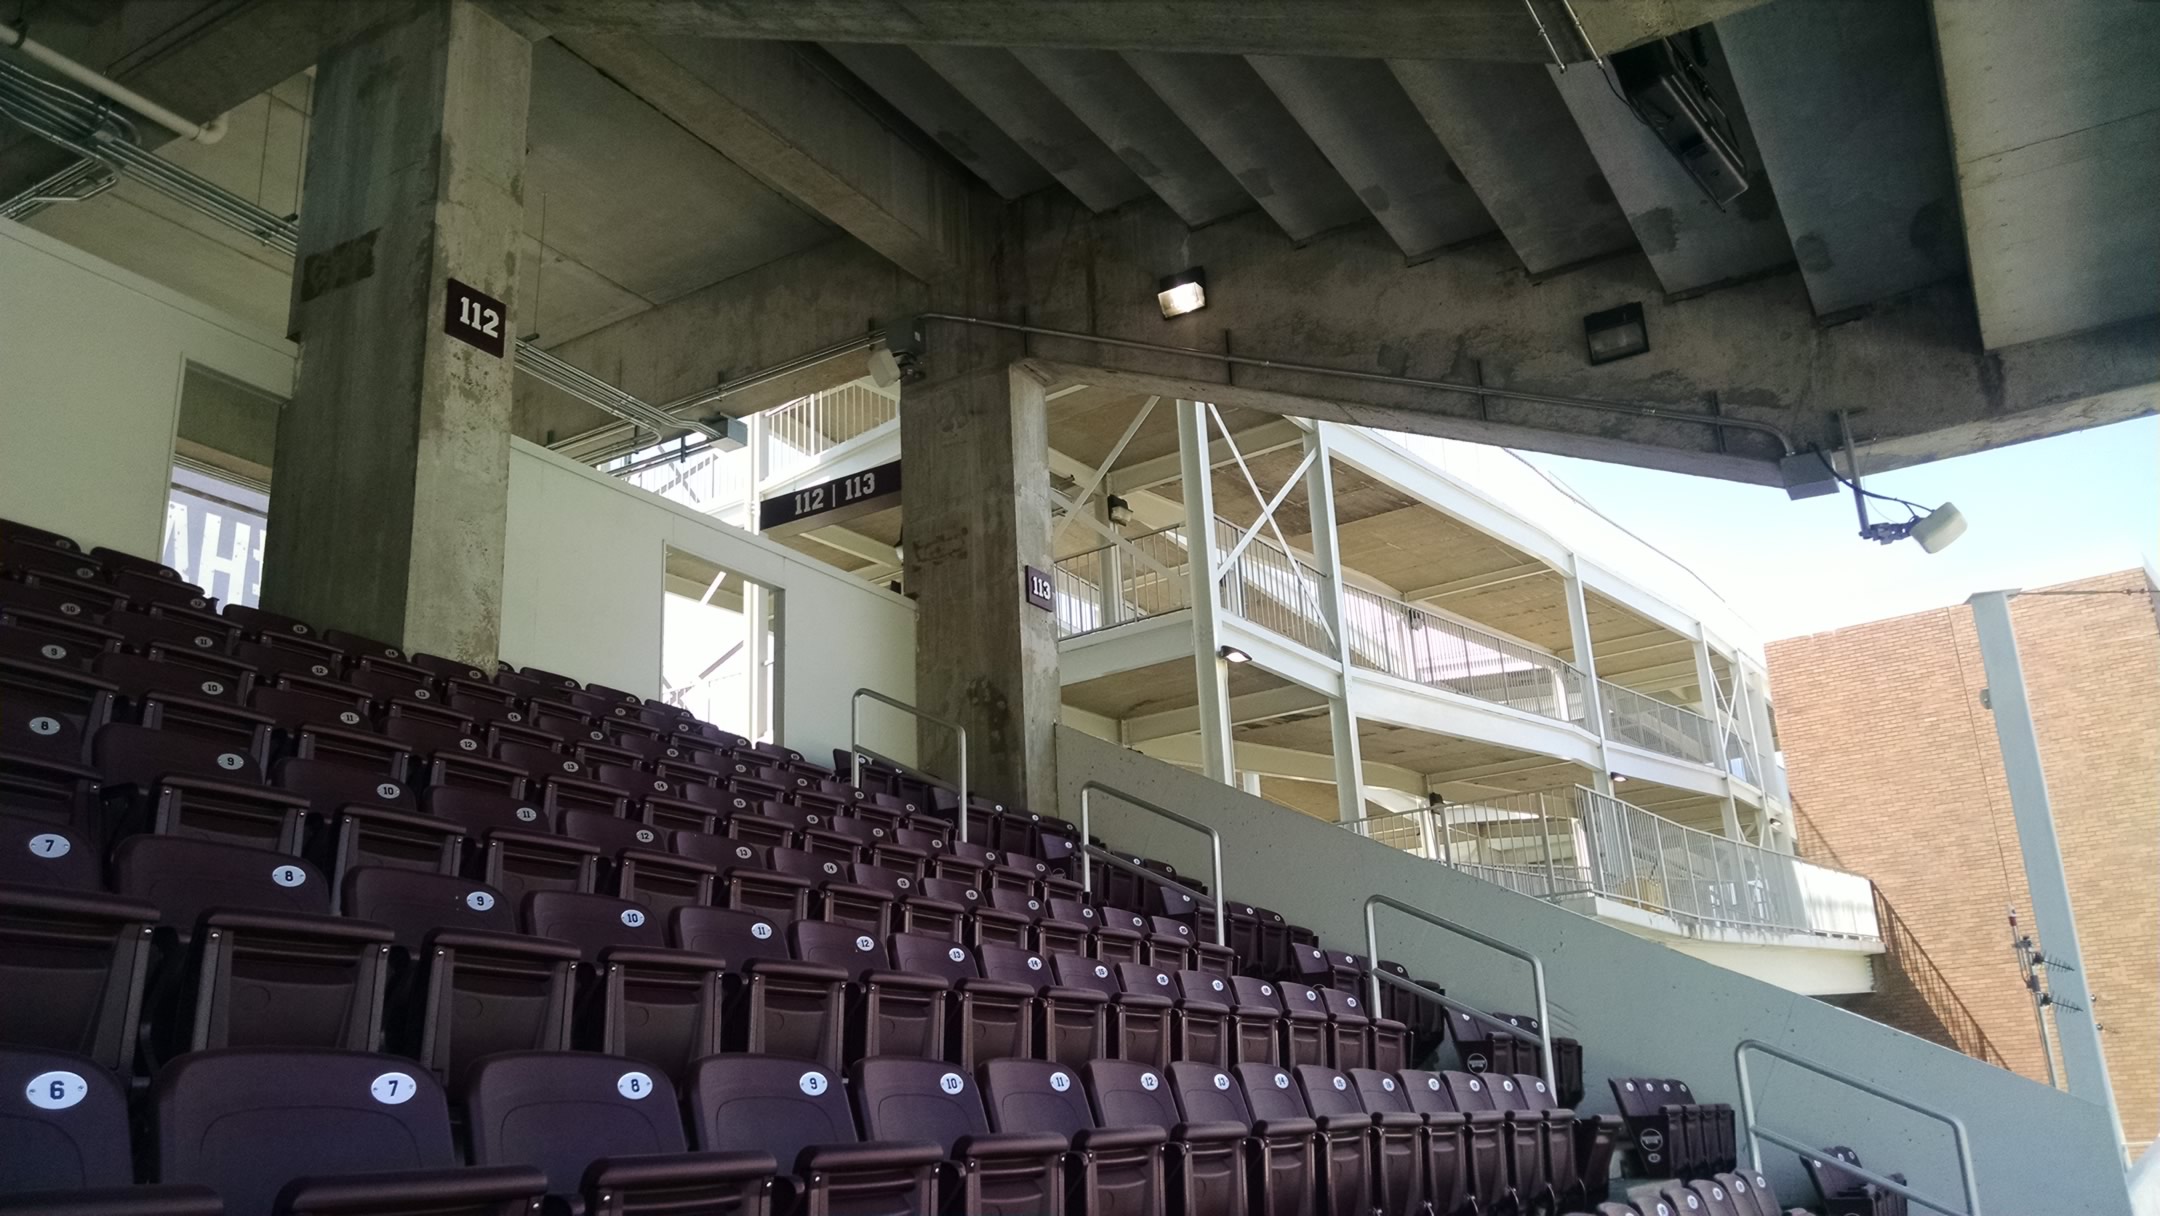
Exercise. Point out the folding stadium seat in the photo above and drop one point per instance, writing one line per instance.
(889, 1012)
(297, 703)
(1197, 1028)
(1256, 1018)
(164, 589)
(1072, 1025)
(1567, 1058)
(1349, 1037)
(1068, 928)
(1481, 1047)
(1399, 1142)
(1118, 936)
(554, 680)
(1204, 1162)
(60, 795)
(13, 530)
(1844, 1193)
(991, 1174)
(639, 867)
(1479, 1130)
(47, 642)
(257, 623)
(607, 1134)
(1114, 1171)
(517, 851)
(67, 1143)
(85, 955)
(867, 897)
(1553, 1127)
(753, 885)
(985, 1019)
(1343, 1146)
(49, 713)
(468, 983)
(944, 909)
(1752, 1188)
(54, 597)
(564, 793)
(1587, 1157)
(364, 647)
(303, 1131)
(369, 819)
(1669, 1133)
(1306, 1029)
(177, 784)
(644, 998)
(486, 704)
(255, 956)
(796, 1112)
(279, 657)
(161, 672)
(777, 1004)
(1140, 1021)
(35, 853)
(563, 723)
(1444, 1171)
(1523, 1137)
(180, 628)
(1004, 917)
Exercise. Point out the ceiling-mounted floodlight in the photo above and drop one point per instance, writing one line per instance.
(1933, 529)
(1618, 778)
(1119, 511)
(1183, 292)
(1231, 654)
(1616, 333)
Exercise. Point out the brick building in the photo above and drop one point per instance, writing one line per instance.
(1895, 774)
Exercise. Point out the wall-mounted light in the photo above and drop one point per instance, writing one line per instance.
(1618, 778)
(1118, 509)
(1183, 292)
(1616, 333)
(1231, 654)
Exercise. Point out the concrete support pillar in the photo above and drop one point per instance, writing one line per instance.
(1342, 720)
(1578, 615)
(393, 459)
(977, 497)
(1211, 672)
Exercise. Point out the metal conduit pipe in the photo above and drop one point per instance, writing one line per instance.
(1310, 369)
(202, 133)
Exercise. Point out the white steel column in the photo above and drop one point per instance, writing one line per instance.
(1578, 616)
(2076, 1029)
(757, 603)
(1320, 504)
(1210, 670)
(1249, 782)
(1713, 708)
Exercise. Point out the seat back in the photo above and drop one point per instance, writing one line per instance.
(328, 786)
(1035, 1096)
(137, 755)
(1074, 971)
(1327, 1091)
(844, 946)
(183, 877)
(592, 923)
(560, 1111)
(1427, 1092)
(747, 1103)
(925, 955)
(414, 903)
(1205, 1093)
(734, 935)
(246, 1121)
(64, 1122)
(1013, 965)
(917, 1100)
(1379, 1092)
(1129, 1093)
(1271, 1092)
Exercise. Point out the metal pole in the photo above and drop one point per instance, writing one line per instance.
(1087, 871)
(2020, 946)
(855, 756)
(1552, 880)
(1211, 672)
(2076, 1030)
(1537, 972)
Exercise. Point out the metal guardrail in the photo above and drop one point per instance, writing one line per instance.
(1087, 868)
(1757, 1133)
(855, 748)
(1111, 585)
(1543, 1034)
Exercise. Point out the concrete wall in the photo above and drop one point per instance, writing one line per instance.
(91, 363)
(1896, 773)
(583, 575)
(1639, 1008)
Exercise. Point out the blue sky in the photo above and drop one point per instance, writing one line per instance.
(2038, 513)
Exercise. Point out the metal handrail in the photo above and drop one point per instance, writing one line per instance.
(1537, 971)
(1757, 1134)
(855, 752)
(1087, 872)
(1109, 857)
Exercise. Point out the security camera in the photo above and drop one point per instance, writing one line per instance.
(884, 366)
(1939, 527)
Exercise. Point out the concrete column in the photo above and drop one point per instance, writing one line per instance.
(1342, 720)
(393, 458)
(1578, 615)
(1211, 672)
(976, 491)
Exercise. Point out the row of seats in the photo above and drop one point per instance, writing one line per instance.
(294, 1130)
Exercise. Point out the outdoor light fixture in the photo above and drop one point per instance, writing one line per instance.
(1183, 292)
(1119, 510)
(1231, 654)
(1618, 778)
(1616, 333)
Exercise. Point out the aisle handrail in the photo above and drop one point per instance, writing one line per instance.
(1543, 1034)
(1757, 1133)
(1087, 872)
(855, 749)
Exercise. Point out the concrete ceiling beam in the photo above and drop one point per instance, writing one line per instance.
(775, 113)
(1024, 107)
(1230, 109)
(1357, 28)
(1505, 125)
(902, 78)
(1358, 116)
(1104, 92)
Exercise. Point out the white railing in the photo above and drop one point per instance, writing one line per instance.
(803, 430)
(1393, 636)
(1111, 585)
(796, 436)
(1558, 843)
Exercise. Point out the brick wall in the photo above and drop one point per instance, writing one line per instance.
(1895, 774)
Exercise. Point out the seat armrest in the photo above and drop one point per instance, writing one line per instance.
(643, 1170)
(400, 1191)
(166, 1200)
(1209, 1133)
(772, 877)
(486, 942)
(910, 980)
(115, 908)
(1343, 1123)
(261, 921)
(410, 820)
(1095, 1139)
(1001, 1146)
(552, 843)
(666, 861)
(1143, 1000)
(1269, 1129)
(789, 969)
(1074, 996)
(1398, 1118)
(661, 956)
(876, 1155)
(1004, 988)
